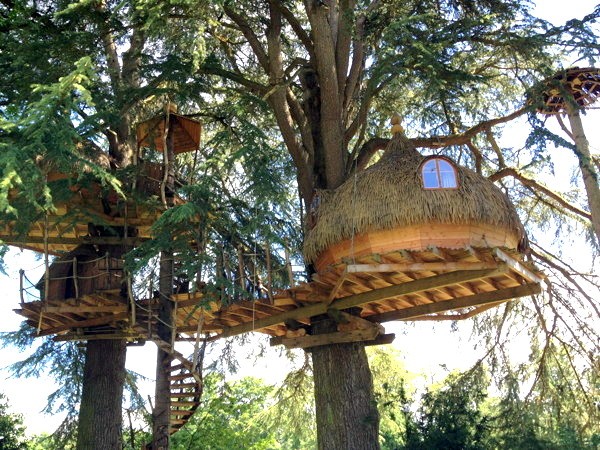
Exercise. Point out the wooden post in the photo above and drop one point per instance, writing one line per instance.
(174, 321)
(131, 301)
(220, 270)
(75, 285)
(46, 263)
(288, 266)
(241, 267)
(21, 275)
(269, 275)
(107, 256)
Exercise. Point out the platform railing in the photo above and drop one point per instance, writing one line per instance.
(107, 276)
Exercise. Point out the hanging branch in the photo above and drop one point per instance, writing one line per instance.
(534, 185)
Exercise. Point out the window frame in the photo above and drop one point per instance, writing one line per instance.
(438, 172)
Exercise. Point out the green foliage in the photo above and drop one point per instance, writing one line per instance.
(450, 417)
(229, 417)
(292, 414)
(390, 381)
(44, 139)
(12, 432)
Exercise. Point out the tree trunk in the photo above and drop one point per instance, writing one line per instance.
(162, 396)
(100, 419)
(347, 416)
(100, 413)
(588, 171)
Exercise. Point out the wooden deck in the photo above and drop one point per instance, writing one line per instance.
(434, 284)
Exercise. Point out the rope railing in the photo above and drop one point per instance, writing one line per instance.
(111, 274)
(250, 278)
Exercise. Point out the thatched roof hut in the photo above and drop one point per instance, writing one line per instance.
(387, 208)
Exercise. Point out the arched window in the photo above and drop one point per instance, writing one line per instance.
(439, 173)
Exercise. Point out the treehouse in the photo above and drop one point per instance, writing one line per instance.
(85, 293)
(580, 86)
(412, 237)
(87, 211)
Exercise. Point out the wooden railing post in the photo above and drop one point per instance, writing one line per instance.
(288, 266)
(75, 284)
(131, 301)
(21, 275)
(269, 274)
(241, 267)
(108, 284)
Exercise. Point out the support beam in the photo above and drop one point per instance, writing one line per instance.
(98, 337)
(84, 323)
(421, 267)
(339, 337)
(83, 309)
(463, 302)
(517, 266)
(95, 240)
(411, 287)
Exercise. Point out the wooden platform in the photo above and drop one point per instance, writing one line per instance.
(68, 224)
(434, 284)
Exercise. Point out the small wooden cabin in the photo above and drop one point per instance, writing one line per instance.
(80, 272)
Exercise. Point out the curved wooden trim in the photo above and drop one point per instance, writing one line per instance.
(418, 237)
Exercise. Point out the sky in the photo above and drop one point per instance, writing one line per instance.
(426, 348)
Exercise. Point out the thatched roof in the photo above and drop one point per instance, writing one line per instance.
(389, 194)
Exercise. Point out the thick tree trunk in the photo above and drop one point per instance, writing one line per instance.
(162, 397)
(347, 416)
(100, 419)
(588, 169)
(100, 412)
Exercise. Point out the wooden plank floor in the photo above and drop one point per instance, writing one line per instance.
(435, 284)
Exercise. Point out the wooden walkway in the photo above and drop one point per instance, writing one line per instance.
(435, 284)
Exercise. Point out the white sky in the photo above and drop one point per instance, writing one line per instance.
(426, 347)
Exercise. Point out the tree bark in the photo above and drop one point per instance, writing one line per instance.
(162, 396)
(347, 416)
(588, 170)
(100, 419)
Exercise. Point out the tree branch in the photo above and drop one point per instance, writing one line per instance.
(509, 171)
(298, 29)
(301, 122)
(110, 50)
(343, 42)
(546, 259)
(368, 149)
(494, 144)
(250, 36)
(477, 155)
(254, 87)
(464, 137)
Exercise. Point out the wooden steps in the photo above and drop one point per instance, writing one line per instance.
(186, 387)
(186, 391)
